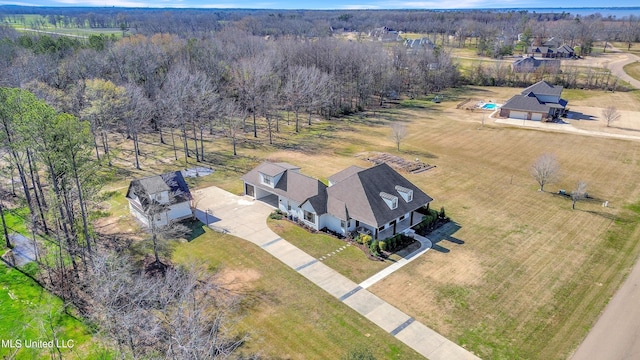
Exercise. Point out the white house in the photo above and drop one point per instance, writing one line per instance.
(377, 201)
(162, 199)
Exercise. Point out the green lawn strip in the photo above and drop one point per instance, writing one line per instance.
(27, 313)
(286, 315)
(633, 70)
(351, 262)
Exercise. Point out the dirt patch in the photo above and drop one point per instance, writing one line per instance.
(238, 279)
(415, 167)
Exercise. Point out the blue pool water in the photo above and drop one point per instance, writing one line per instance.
(489, 106)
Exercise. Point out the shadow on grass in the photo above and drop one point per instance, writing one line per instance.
(197, 229)
(445, 232)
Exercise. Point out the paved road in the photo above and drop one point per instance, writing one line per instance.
(245, 218)
(617, 66)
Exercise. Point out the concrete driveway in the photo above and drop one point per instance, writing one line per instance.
(245, 218)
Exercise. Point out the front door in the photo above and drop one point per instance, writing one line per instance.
(393, 223)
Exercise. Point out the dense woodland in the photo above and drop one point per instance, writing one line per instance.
(181, 75)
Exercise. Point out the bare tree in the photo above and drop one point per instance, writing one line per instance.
(579, 193)
(398, 133)
(610, 115)
(545, 170)
(232, 119)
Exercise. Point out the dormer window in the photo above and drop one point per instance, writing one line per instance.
(390, 200)
(267, 179)
(407, 194)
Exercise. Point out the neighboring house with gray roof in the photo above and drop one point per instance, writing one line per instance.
(162, 199)
(378, 200)
(531, 64)
(552, 48)
(417, 44)
(540, 101)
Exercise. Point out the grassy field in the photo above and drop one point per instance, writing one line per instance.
(30, 313)
(287, 316)
(29, 22)
(529, 275)
(633, 70)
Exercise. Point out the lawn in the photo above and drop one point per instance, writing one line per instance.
(29, 313)
(529, 275)
(287, 316)
(351, 262)
(633, 70)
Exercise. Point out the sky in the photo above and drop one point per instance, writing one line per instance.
(330, 4)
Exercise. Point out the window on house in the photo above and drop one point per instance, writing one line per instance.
(401, 218)
(381, 228)
(407, 194)
(390, 200)
(267, 179)
(343, 224)
(310, 217)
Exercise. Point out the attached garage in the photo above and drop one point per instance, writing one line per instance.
(536, 116)
(518, 115)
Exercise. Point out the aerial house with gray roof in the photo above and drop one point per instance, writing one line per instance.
(160, 200)
(540, 101)
(376, 201)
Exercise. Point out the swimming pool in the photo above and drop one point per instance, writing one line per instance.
(489, 106)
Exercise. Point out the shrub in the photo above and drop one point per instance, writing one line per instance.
(374, 248)
(366, 240)
(276, 215)
(391, 243)
(382, 245)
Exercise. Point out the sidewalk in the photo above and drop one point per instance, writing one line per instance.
(246, 219)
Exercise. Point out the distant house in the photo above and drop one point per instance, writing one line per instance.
(385, 34)
(417, 44)
(552, 48)
(377, 201)
(161, 199)
(531, 64)
(540, 101)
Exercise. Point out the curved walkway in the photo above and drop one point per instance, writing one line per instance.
(245, 218)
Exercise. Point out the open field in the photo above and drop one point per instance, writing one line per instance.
(529, 276)
(31, 23)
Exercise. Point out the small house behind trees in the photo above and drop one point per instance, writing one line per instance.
(160, 198)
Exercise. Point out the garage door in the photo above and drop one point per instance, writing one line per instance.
(535, 116)
(518, 115)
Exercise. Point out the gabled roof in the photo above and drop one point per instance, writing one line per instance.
(173, 182)
(292, 185)
(339, 176)
(543, 88)
(360, 194)
(271, 169)
(565, 49)
(528, 102)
